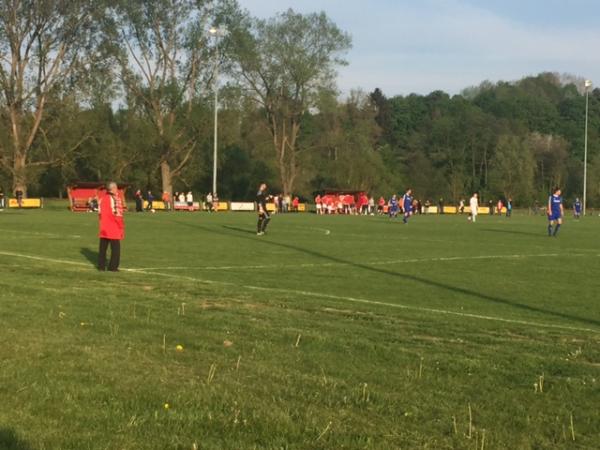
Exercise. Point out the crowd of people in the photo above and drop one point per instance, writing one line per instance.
(179, 201)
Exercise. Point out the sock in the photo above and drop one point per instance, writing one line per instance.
(556, 229)
(404, 219)
(550, 230)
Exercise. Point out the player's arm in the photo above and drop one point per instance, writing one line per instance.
(562, 210)
(549, 206)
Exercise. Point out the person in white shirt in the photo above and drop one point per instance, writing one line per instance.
(474, 205)
(189, 198)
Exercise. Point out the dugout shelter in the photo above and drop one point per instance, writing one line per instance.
(81, 192)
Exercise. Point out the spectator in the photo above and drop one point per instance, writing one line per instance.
(139, 201)
(381, 205)
(189, 198)
(441, 206)
(166, 198)
(461, 206)
(319, 205)
(112, 228)
(150, 200)
(295, 204)
(93, 204)
(509, 207)
(2, 199)
(215, 202)
(209, 202)
(19, 196)
(181, 198)
(427, 206)
(499, 207)
(287, 201)
(491, 206)
(371, 209)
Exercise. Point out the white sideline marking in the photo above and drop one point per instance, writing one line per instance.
(322, 295)
(367, 263)
(38, 233)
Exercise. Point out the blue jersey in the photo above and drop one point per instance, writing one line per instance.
(394, 203)
(577, 207)
(555, 204)
(407, 203)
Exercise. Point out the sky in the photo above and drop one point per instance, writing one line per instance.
(420, 46)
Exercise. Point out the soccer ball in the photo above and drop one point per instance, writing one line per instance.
(469, 218)
(152, 210)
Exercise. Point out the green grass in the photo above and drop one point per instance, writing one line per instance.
(329, 332)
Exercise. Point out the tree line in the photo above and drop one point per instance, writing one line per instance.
(94, 90)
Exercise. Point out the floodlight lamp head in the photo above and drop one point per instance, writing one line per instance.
(588, 83)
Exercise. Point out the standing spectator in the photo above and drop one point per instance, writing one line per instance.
(509, 207)
(139, 201)
(381, 205)
(189, 198)
(499, 207)
(474, 205)
(150, 200)
(1, 199)
(319, 204)
(461, 206)
(19, 196)
(371, 209)
(295, 204)
(287, 200)
(491, 206)
(166, 198)
(112, 228)
(181, 198)
(280, 203)
(209, 202)
(441, 206)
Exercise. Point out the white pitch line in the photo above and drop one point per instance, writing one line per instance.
(37, 233)
(322, 295)
(366, 263)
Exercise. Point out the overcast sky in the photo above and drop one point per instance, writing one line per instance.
(419, 46)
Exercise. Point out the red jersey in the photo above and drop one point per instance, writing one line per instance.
(110, 211)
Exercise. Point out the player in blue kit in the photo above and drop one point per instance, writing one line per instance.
(393, 206)
(577, 208)
(407, 201)
(555, 212)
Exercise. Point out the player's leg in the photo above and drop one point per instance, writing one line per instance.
(102, 254)
(115, 255)
(558, 224)
(259, 225)
(550, 225)
(266, 221)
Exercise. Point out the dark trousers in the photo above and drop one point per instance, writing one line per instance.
(263, 220)
(115, 254)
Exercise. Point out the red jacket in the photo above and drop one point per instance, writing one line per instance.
(110, 210)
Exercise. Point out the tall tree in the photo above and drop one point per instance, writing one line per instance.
(45, 45)
(283, 63)
(163, 58)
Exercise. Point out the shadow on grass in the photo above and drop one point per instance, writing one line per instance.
(10, 441)
(542, 234)
(243, 233)
(90, 255)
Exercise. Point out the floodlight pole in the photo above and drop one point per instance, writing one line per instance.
(216, 33)
(588, 84)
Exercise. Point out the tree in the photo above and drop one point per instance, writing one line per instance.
(513, 169)
(282, 64)
(45, 47)
(163, 58)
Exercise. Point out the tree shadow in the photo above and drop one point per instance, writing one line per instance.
(90, 255)
(542, 234)
(243, 234)
(10, 441)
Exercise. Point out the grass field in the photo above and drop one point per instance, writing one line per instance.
(327, 333)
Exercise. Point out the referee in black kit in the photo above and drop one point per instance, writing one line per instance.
(263, 214)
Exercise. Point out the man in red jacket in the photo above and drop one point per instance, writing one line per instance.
(112, 228)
